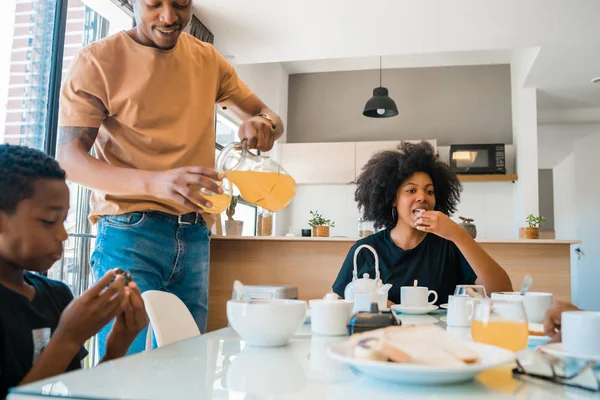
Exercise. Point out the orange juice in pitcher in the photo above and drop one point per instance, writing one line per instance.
(260, 180)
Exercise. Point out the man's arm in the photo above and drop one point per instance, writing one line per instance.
(180, 185)
(73, 154)
(256, 129)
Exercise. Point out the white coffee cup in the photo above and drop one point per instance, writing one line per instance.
(416, 296)
(460, 311)
(536, 303)
(580, 332)
(363, 301)
(330, 316)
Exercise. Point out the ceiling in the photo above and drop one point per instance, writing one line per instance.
(336, 35)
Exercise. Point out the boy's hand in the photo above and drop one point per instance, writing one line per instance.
(88, 313)
(128, 324)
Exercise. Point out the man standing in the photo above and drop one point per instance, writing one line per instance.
(144, 99)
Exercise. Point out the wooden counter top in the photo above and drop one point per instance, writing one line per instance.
(312, 265)
(352, 240)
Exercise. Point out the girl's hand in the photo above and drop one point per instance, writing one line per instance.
(439, 224)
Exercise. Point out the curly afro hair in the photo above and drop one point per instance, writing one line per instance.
(381, 177)
(20, 167)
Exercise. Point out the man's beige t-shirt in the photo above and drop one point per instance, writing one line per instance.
(154, 109)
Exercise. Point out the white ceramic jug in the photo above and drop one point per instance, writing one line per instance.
(364, 284)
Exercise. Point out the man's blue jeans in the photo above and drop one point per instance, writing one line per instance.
(161, 254)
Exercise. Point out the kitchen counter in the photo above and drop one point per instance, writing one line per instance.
(312, 264)
(352, 240)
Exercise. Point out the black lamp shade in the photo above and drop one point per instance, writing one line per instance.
(380, 105)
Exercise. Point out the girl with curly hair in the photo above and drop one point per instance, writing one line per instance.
(411, 193)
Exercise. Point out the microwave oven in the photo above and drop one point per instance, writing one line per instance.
(478, 158)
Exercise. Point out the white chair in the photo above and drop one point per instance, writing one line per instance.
(170, 319)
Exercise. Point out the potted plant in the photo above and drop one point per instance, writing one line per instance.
(320, 225)
(233, 227)
(532, 231)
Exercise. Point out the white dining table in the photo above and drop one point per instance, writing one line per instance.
(219, 365)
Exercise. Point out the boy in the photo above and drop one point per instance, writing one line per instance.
(42, 328)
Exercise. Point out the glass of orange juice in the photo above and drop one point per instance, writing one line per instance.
(500, 323)
(220, 201)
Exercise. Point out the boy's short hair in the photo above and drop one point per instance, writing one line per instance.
(20, 167)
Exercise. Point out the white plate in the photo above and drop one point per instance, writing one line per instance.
(490, 357)
(556, 349)
(444, 306)
(414, 310)
(535, 340)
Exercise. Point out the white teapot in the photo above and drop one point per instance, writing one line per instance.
(364, 284)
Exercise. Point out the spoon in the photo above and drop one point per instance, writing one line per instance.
(527, 281)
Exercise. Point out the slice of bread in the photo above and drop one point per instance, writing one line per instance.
(536, 329)
(418, 344)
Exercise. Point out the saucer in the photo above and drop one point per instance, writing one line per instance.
(414, 310)
(445, 306)
(536, 341)
(556, 349)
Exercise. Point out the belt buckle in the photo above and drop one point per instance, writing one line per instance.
(181, 221)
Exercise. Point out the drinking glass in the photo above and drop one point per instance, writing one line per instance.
(500, 323)
(474, 291)
(220, 201)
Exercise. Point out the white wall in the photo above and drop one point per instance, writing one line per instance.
(565, 198)
(587, 218)
(270, 83)
(577, 214)
(555, 141)
(489, 203)
(335, 202)
(524, 114)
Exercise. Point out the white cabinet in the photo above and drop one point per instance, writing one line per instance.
(366, 150)
(331, 163)
(319, 163)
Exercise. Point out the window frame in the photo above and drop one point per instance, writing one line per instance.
(56, 65)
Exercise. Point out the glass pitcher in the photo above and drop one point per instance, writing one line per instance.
(260, 180)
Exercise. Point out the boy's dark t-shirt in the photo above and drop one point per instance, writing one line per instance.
(26, 327)
(436, 263)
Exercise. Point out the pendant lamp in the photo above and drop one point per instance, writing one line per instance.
(381, 104)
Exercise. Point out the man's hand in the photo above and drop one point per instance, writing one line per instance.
(128, 324)
(96, 307)
(185, 186)
(553, 320)
(259, 133)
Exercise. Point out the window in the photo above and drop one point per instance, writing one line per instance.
(84, 26)
(226, 132)
(225, 129)
(25, 122)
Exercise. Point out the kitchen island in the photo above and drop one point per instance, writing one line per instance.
(312, 264)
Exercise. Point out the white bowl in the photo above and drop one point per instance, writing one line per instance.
(536, 303)
(266, 323)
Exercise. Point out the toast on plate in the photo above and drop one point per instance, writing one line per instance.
(416, 344)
